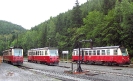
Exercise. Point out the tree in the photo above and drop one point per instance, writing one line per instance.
(108, 5)
(76, 16)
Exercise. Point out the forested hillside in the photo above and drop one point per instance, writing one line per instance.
(8, 32)
(106, 22)
(7, 27)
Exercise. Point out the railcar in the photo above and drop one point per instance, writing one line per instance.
(46, 55)
(13, 55)
(109, 55)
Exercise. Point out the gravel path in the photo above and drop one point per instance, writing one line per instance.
(41, 72)
(13, 73)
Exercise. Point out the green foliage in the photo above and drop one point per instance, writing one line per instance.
(8, 32)
(8, 28)
(106, 22)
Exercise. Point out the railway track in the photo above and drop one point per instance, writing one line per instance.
(62, 76)
(96, 72)
(111, 73)
(92, 74)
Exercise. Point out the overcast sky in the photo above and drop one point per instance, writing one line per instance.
(29, 13)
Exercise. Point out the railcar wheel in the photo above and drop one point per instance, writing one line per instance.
(120, 65)
(38, 62)
(86, 62)
(90, 62)
(109, 64)
(76, 61)
(3, 60)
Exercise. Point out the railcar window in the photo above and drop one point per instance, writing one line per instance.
(36, 52)
(90, 52)
(45, 52)
(74, 53)
(17, 52)
(42, 52)
(108, 52)
(39, 52)
(53, 52)
(124, 52)
(98, 52)
(86, 52)
(115, 52)
(103, 52)
(77, 52)
(94, 52)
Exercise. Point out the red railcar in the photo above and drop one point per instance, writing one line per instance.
(44, 55)
(13, 55)
(109, 55)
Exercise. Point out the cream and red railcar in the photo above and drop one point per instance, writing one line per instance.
(44, 55)
(109, 55)
(13, 55)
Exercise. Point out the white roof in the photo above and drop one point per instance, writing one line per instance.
(106, 47)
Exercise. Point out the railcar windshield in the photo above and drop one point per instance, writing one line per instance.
(53, 52)
(124, 52)
(18, 52)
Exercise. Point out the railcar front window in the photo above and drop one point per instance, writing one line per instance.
(124, 52)
(17, 52)
(53, 52)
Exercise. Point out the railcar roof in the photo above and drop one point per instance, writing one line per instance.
(45, 48)
(106, 47)
(16, 47)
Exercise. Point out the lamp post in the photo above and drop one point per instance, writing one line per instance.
(79, 69)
